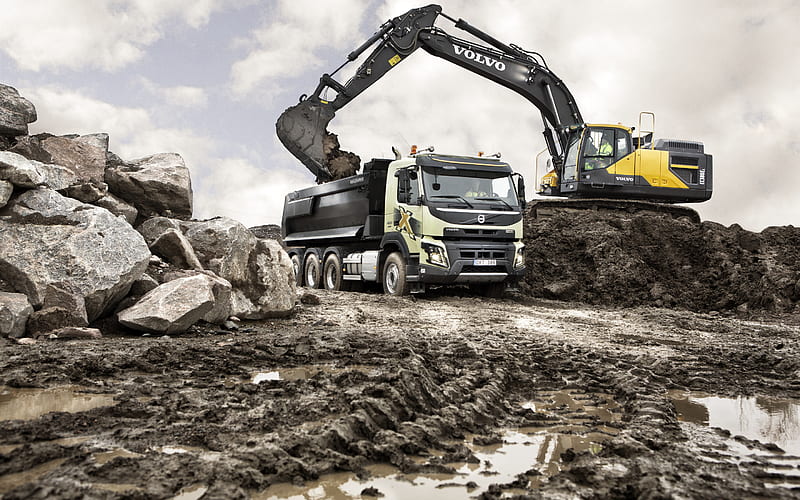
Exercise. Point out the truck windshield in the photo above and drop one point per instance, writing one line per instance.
(470, 188)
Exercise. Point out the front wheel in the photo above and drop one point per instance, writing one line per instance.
(394, 275)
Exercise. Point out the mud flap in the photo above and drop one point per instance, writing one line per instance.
(302, 129)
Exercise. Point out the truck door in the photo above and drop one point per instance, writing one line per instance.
(407, 212)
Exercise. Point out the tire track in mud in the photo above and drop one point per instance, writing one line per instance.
(389, 391)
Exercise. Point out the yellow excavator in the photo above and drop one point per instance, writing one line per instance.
(604, 163)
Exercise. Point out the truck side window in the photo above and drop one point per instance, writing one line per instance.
(407, 187)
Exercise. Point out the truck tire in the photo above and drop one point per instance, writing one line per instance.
(394, 275)
(332, 274)
(298, 269)
(313, 271)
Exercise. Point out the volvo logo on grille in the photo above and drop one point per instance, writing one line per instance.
(481, 219)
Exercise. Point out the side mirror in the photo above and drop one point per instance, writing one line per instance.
(521, 191)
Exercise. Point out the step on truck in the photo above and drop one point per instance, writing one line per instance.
(427, 219)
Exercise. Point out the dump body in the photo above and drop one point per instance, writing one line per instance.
(346, 210)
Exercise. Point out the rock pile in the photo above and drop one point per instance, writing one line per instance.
(626, 260)
(86, 236)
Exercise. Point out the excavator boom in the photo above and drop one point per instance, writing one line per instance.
(302, 128)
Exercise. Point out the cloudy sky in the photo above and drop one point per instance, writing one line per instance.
(208, 79)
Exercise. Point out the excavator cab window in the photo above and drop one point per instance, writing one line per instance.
(571, 163)
(604, 146)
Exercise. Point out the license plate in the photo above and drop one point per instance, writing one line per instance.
(484, 262)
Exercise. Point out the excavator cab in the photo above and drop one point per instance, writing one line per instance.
(608, 161)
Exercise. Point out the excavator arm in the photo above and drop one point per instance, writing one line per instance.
(303, 128)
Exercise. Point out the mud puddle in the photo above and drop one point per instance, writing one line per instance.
(764, 431)
(522, 451)
(29, 404)
(764, 419)
(522, 458)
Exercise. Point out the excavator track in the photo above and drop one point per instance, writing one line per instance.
(542, 209)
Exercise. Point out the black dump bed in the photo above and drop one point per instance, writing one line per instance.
(345, 210)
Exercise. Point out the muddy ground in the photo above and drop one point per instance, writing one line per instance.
(418, 384)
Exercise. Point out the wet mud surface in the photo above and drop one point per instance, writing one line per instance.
(444, 396)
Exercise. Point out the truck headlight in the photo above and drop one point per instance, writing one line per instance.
(519, 258)
(436, 255)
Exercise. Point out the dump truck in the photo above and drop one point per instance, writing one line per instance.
(410, 222)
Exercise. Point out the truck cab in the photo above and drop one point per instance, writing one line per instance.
(411, 222)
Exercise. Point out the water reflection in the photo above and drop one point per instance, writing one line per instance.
(28, 404)
(761, 418)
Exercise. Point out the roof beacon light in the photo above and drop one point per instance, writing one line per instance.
(413, 149)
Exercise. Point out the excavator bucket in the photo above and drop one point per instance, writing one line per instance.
(302, 129)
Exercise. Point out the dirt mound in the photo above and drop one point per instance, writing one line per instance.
(622, 259)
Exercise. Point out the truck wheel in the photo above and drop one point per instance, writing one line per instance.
(332, 273)
(394, 275)
(313, 271)
(298, 270)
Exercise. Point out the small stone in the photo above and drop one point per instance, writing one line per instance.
(77, 333)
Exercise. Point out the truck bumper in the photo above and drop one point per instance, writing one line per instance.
(468, 264)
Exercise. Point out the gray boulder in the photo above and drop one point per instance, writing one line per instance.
(271, 291)
(118, 207)
(49, 238)
(173, 246)
(6, 188)
(16, 112)
(256, 268)
(223, 245)
(14, 312)
(87, 192)
(85, 158)
(143, 285)
(30, 147)
(26, 173)
(172, 307)
(154, 227)
(155, 185)
(62, 305)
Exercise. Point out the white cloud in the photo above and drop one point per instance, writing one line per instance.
(289, 42)
(184, 96)
(238, 189)
(133, 132)
(40, 34)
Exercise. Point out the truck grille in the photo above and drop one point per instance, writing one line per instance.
(468, 253)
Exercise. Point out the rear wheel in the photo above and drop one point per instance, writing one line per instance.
(394, 275)
(332, 274)
(298, 270)
(313, 271)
